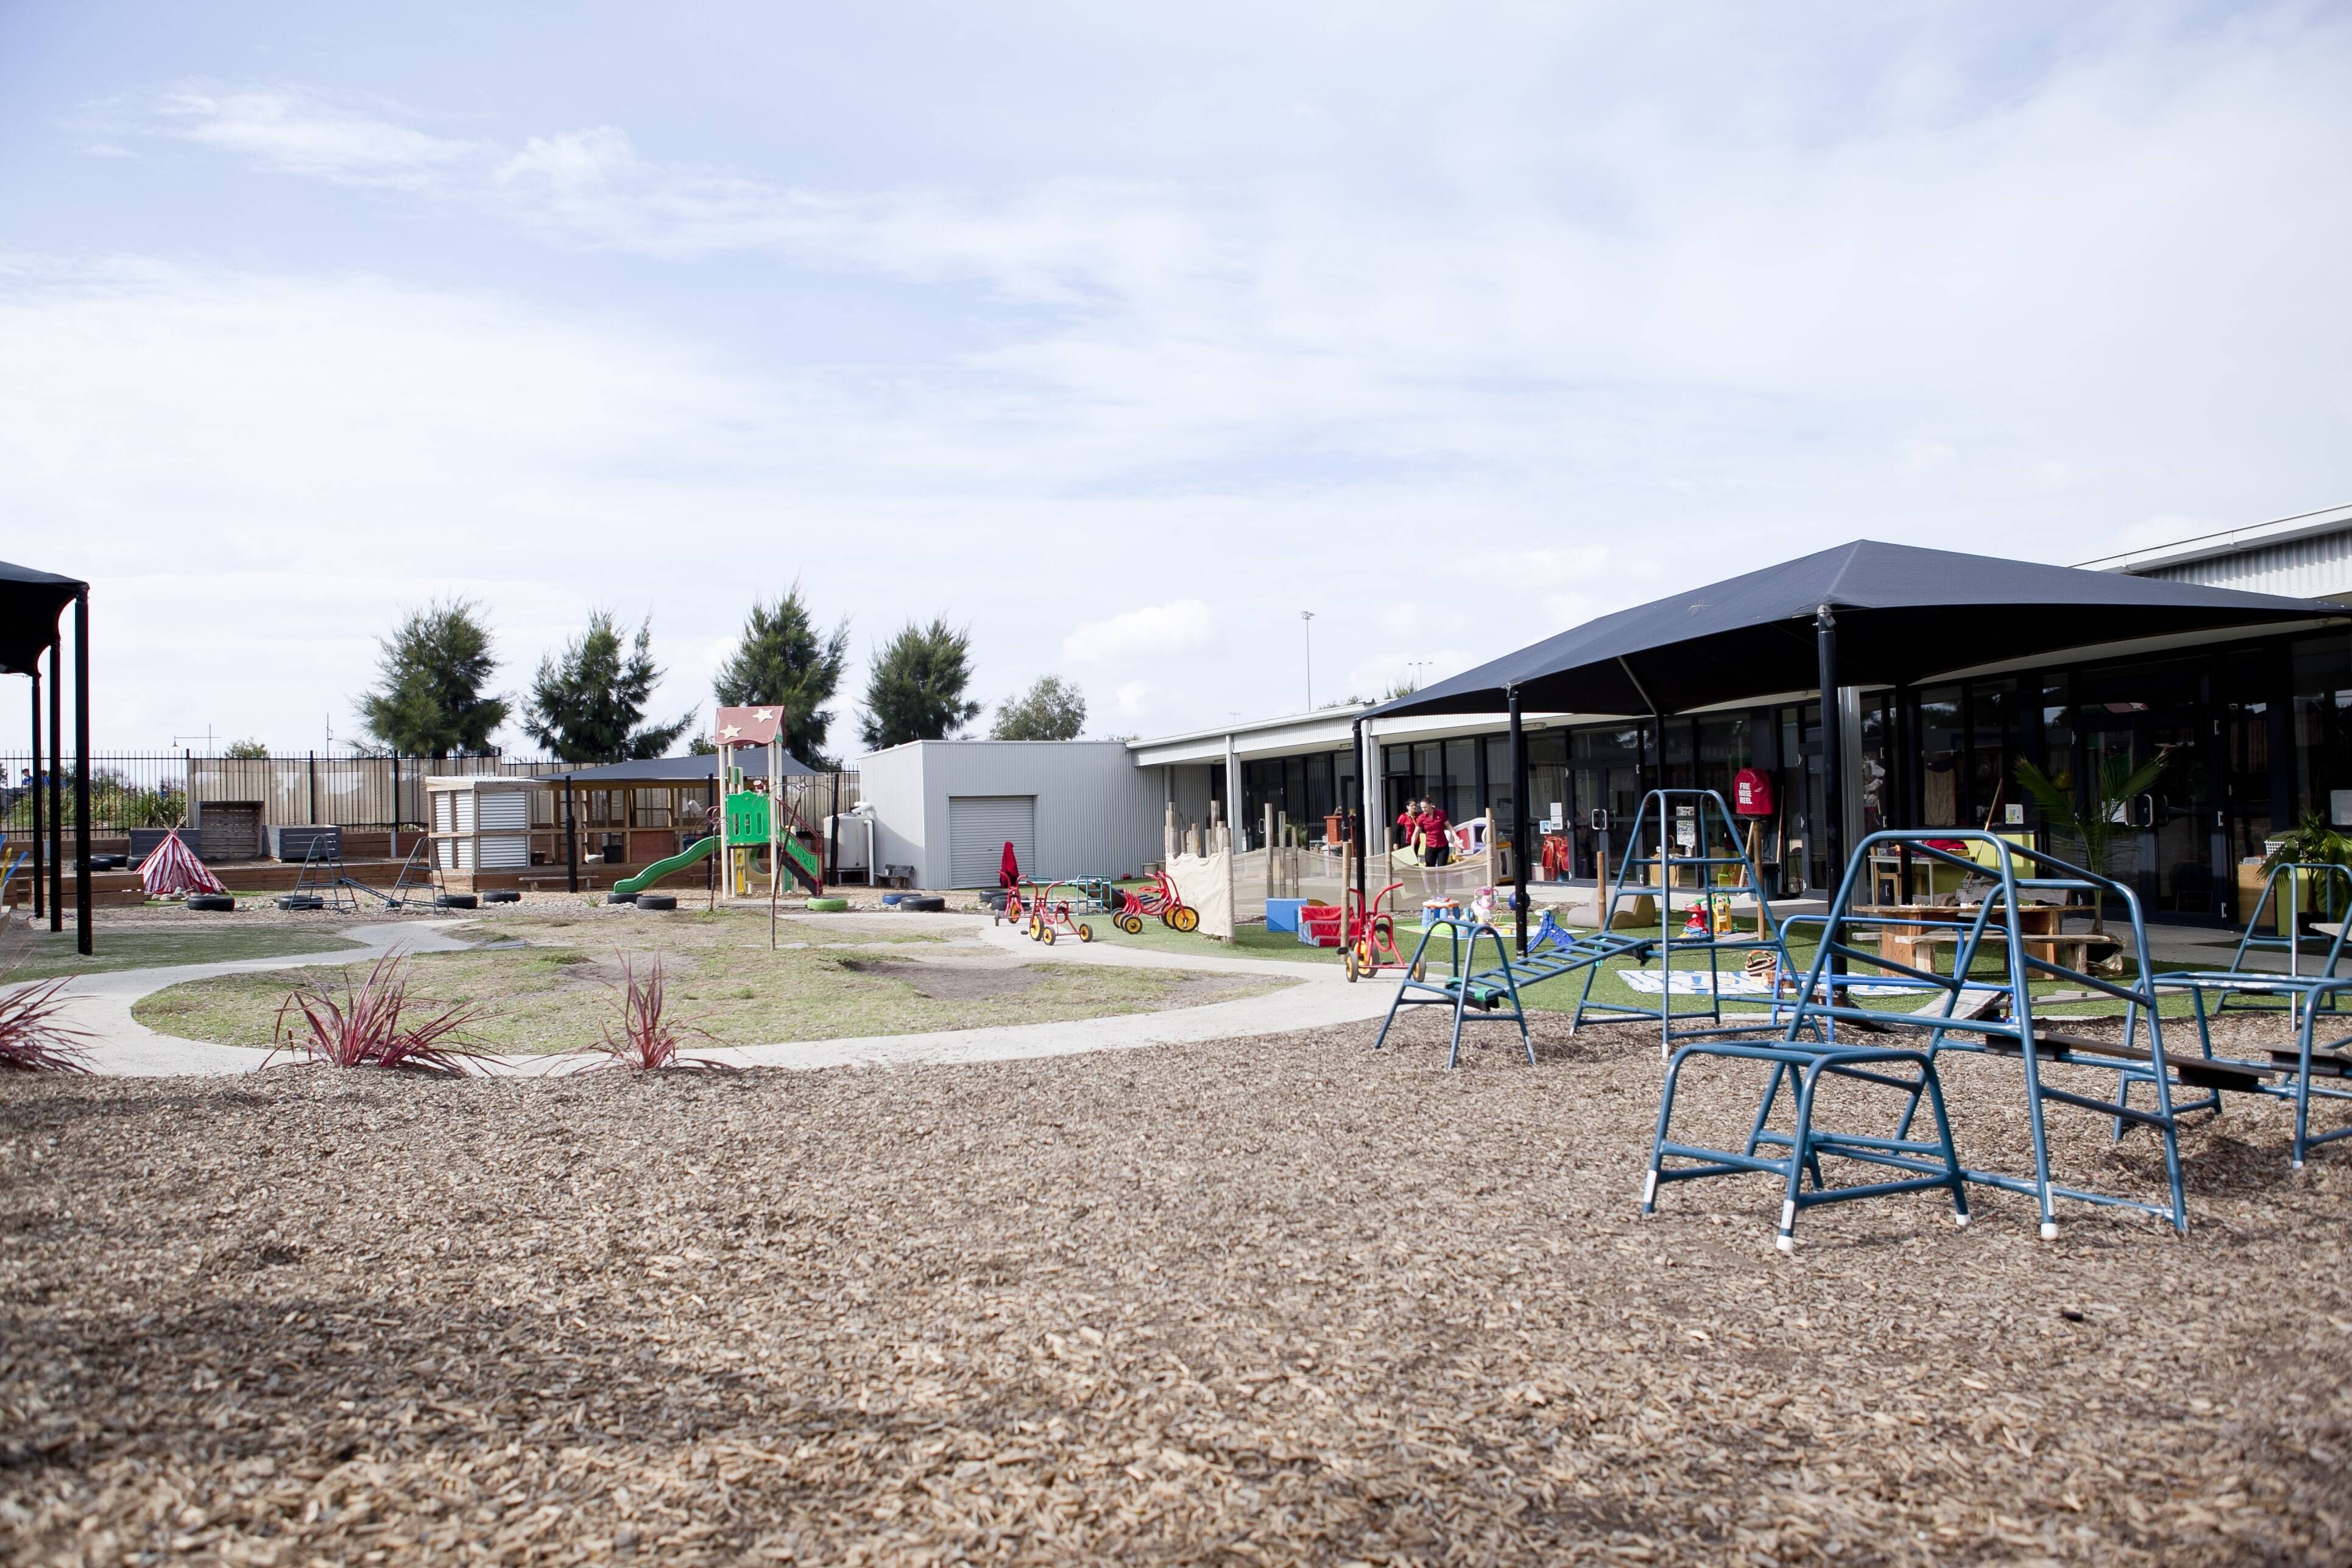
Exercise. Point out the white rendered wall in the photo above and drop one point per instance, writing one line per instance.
(1097, 813)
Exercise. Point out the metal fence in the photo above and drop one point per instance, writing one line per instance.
(154, 789)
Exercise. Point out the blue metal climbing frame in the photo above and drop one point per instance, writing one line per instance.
(1491, 995)
(2275, 899)
(1695, 835)
(1800, 1066)
(1999, 1018)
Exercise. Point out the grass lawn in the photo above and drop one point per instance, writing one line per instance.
(829, 981)
(50, 954)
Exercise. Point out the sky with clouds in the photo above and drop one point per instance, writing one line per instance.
(1125, 336)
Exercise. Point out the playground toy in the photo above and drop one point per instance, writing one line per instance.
(1689, 824)
(1698, 838)
(173, 867)
(1161, 899)
(1049, 915)
(1997, 1019)
(1371, 939)
(747, 820)
(2285, 905)
(324, 882)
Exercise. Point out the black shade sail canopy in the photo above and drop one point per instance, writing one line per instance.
(30, 604)
(1904, 615)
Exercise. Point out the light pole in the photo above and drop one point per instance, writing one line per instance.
(1308, 618)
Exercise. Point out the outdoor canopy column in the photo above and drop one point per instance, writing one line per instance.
(31, 605)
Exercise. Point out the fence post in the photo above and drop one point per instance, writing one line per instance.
(395, 806)
(314, 787)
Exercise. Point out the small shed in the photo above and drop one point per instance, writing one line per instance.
(481, 822)
(1069, 808)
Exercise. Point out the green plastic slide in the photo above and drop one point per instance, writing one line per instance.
(699, 849)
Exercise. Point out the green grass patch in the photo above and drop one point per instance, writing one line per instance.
(561, 991)
(50, 954)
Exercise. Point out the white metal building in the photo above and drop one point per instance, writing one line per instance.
(2308, 556)
(1069, 808)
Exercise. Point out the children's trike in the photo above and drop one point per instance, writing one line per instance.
(1161, 899)
(1050, 915)
(1372, 939)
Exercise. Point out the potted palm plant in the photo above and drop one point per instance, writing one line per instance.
(2096, 829)
(2311, 842)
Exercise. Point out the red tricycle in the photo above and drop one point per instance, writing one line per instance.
(1371, 939)
(1161, 899)
(1049, 915)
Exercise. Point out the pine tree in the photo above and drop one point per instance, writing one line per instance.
(782, 661)
(1053, 711)
(586, 703)
(915, 690)
(429, 700)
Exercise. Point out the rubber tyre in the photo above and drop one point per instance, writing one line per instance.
(503, 895)
(456, 902)
(1030, 929)
(301, 901)
(219, 902)
(827, 906)
(1046, 935)
(1166, 920)
(620, 898)
(924, 904)
(1187, 919)
(1085, 933)
(657, 900)
(1350, 961)
(892, 901)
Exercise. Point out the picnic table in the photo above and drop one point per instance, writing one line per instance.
(1912, 932)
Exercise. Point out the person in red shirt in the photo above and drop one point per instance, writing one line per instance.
(1437, 845)
(1407, 820)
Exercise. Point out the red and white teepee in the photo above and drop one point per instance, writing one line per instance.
(173, 868)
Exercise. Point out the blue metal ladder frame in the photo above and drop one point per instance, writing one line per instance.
(1801, 1066)
(2308, 997)
(2248, 940)
(1769, 933)
(1494, 991)
(1818, 1006)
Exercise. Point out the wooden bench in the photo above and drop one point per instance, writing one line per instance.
(2199, 1072)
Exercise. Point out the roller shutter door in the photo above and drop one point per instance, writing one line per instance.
(978, 827)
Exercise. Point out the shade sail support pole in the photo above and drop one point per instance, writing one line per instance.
(1518, 820)
(1364, 823)
(40, 850)
(82, 773)
(57, 784)
(1833, 766)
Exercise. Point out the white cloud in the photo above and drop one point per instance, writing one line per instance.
(1134, 698)
(1519, 325)
(302, 135)
(1152, 632)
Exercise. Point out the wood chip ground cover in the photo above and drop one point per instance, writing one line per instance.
(828, 981)
(1260, 1302)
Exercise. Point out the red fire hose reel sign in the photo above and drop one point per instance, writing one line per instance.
(1751, 792)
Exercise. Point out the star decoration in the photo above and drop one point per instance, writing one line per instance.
(730, 733)
(764, 715)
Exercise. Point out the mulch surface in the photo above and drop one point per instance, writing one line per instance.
(1260, 1302)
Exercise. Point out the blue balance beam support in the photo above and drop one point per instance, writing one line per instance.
(1800, 1066)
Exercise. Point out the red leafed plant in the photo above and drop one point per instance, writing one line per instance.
(374, 1022)
(31, 1038)
(649, 1038)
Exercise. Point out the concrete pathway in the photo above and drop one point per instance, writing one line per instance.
(101, 1004)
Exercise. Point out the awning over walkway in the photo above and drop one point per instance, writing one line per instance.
(1904, 615)
(699, 768)
(30, 604)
